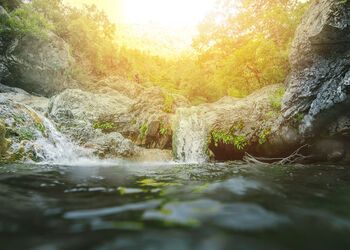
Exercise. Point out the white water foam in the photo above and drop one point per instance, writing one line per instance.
(190, 136)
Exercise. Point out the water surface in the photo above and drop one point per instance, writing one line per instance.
(174, 206)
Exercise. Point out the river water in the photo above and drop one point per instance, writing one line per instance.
(123, 205)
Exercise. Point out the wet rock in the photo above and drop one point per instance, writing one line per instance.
(23, 128)
(231, 127)
(328, 150)
(92, 120)
(318, 86)
(150, 118)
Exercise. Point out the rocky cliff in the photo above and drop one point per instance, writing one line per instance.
(318, 86)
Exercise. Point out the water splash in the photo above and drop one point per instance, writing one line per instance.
(190, 136)
(52, 147)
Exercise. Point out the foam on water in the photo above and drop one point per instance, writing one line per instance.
(190, 137)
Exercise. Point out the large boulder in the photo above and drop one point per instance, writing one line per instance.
(318, 86)
(149, 118)
(90, 119)
(39, 65)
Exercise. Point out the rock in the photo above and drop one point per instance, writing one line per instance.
(23, 128)
(123, 86)
(92, 120)
(231, 127)
(328, 150)
(149, 118)
(37, 103)
(110, 145)
(318, 86)
(152, 155)
(36, 65)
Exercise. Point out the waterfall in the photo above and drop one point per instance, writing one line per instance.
(52, 147)
(190, 136)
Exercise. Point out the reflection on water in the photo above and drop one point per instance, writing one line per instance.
(125, 205)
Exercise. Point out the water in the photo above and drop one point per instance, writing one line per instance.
(52, 147)
(174, 206)
(190, 136)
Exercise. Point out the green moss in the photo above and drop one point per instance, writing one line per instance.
(41, 127)
(26, 134)
(298, 117)
(276, 99)
(143, 130)
(239, 141)
(168, 103)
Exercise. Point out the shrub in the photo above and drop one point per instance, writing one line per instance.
(143, 130)
(276, 99)
(168, 103)
(239, 141)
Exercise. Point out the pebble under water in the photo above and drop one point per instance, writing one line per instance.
(174, 206)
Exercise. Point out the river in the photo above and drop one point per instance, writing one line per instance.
(129, 205)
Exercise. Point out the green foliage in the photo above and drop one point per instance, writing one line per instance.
(10, 4)
(163, 129)
(105, 126)
(249, 48)
(24, 21)
(264, 135)
(239, 141)
(89, 33)
(276, 99)
(143, 130)
(168, 103)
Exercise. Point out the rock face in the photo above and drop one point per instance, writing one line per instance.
(36, 65)
(230, 127)
(318, 87)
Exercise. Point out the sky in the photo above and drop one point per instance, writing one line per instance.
(168, 13)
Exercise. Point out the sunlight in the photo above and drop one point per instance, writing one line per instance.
(170, 13)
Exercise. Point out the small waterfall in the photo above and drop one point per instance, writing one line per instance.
(52, 147)
(190, 136)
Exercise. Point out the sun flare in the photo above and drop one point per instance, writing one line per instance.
(171, 13)
(168, 13)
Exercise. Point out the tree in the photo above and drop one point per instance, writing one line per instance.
(244, 45)
(10, 4)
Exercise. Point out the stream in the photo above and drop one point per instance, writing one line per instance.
(130, 205)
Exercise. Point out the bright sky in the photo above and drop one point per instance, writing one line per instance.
(170, 13)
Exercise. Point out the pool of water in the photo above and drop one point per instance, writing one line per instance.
(174, 206)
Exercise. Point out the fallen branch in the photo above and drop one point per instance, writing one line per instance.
(295, 157)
